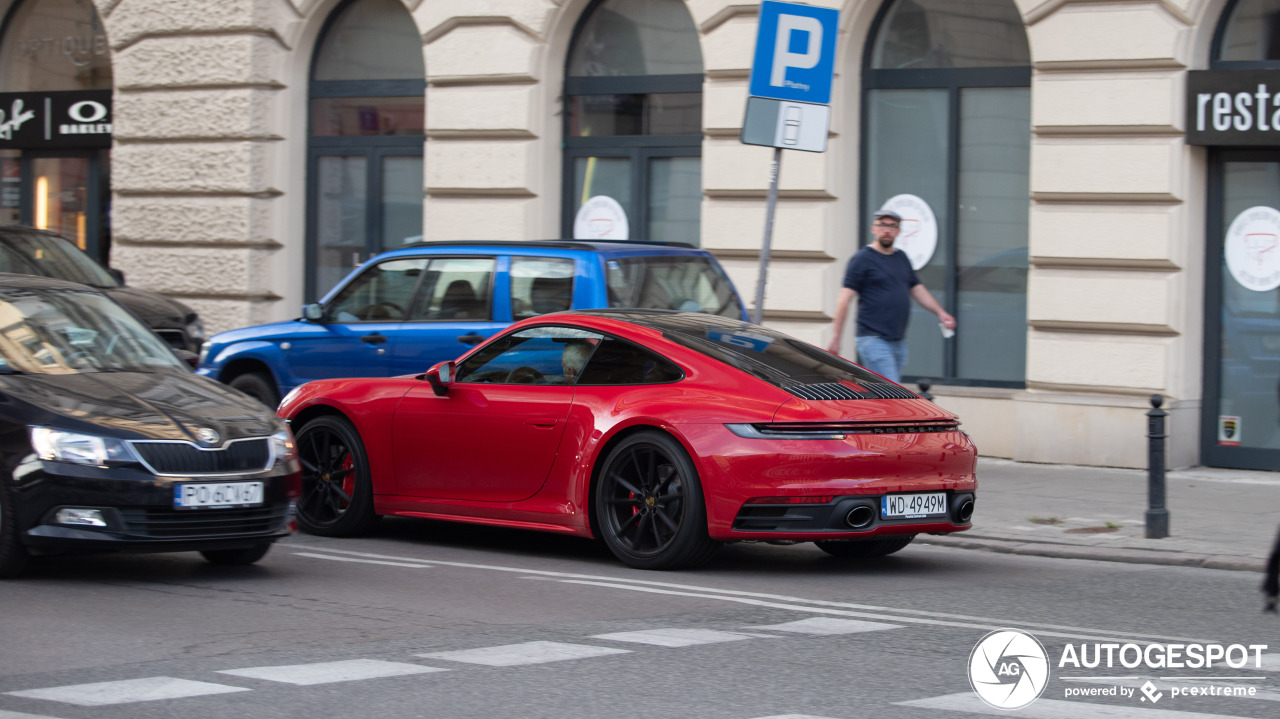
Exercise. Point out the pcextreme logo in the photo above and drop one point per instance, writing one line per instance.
(1008, 669)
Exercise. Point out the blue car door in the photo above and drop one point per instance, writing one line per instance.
(360, 324)
(455, 309)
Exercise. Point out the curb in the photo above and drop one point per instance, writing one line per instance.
(1105, 554)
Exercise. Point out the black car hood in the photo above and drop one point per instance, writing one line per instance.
(164, 404)
(152, 308)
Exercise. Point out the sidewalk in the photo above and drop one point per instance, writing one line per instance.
(1218, 518)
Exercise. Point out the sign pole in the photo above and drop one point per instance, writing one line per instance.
(757, 314)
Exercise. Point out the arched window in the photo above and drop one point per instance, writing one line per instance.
(633, 121)
(364, 164)
(54, 57)
(1238, 417)
(1248, 35)
(946, 143)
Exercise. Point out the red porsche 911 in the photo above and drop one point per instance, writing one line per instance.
(665, 434)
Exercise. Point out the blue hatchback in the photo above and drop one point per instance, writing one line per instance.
(405, 310)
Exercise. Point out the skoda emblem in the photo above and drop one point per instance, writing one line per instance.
(206, 435)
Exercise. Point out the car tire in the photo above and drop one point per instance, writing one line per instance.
(13, 556)
(864, 548)
(257, 386)
(236, 557)
(337, 489)
(649, 505)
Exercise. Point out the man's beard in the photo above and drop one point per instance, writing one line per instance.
(885, 241)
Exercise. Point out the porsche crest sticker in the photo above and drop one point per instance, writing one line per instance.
(1228, 431)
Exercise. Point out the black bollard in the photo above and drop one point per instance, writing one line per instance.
(924, 386)
(1157, 514)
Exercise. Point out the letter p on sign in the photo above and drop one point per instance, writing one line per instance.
(783, 58)
(795, 52)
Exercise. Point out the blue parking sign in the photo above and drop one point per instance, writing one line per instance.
(795, 52)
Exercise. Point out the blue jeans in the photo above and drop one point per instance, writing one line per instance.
(882, 356)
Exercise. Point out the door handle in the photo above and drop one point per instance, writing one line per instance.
(543, 422)
(374, 338)
(471, 338)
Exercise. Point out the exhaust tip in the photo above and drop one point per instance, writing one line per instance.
(860, 516)
(965, 512)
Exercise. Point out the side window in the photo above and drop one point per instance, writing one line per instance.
(381, 293)
(688, 284)
(619, 362)
(457, 289)
(540, 285)
(537, 355)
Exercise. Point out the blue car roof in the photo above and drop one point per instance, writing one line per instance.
(596, 247)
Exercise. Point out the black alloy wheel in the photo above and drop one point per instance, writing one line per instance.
(13, 556)
(864, 548)
(649, 505)
(337, 491)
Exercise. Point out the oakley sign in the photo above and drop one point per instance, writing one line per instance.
(55, 120)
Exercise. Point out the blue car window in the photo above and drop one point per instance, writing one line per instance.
(457, 289)
(540, 285)
(381, 293)
(537, 355)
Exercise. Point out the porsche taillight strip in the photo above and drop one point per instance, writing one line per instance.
(836, 430)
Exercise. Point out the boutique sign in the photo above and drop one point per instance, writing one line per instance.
(1233, 107)
(55, 120)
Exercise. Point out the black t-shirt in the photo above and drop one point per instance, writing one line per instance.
(883, 283)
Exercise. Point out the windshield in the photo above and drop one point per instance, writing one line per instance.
(39, 253)
(672, 282)
(57, 331)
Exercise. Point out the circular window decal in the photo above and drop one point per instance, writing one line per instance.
(1252, 248)
(600, 218)
(919, 235)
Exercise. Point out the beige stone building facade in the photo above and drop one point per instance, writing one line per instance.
(213, 172)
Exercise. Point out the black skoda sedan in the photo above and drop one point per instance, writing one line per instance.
(109, 443)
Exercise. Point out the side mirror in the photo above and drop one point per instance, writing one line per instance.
(313, 312)
(440, 377)
(116, 275)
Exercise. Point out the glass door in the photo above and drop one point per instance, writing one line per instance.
(63, 192)
(1240, 424)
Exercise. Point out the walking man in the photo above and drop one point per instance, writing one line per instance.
(884, 279)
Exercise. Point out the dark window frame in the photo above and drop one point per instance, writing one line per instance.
(639, 149)
(373, 148)
(953, 80)
(1215, 46)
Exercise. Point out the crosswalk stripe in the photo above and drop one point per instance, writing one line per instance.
(969, 703)
(330, 672)
(19, 715)
(672, 637)
(126, 691)
(793, 716)
(527, 653)
(828, 625)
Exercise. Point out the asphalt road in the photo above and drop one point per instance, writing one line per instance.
(427, 619)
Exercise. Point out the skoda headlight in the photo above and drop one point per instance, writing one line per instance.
(195, 329)
(282, 446)
(62, 446)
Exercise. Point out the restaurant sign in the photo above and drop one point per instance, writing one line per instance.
(55, 120)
